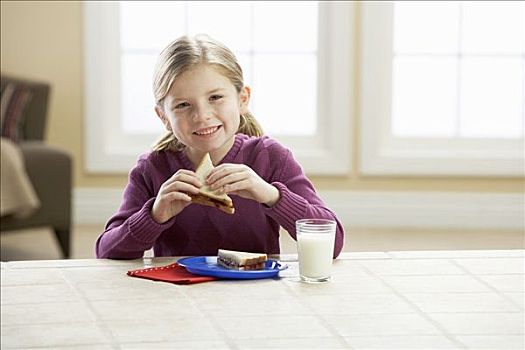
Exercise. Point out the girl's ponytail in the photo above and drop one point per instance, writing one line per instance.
(168, 141)
(249, 125)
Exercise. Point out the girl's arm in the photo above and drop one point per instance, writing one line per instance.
(132, 230)
(299, 200)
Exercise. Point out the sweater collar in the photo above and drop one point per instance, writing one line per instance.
(228, 158)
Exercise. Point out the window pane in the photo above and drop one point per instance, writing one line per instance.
(246, 63)
(284, 93)
(150, 25)
(493, 27)
(424, 96)
(491, 97)
(426, 27)
(246, 28)
(138, 114)
(285, 26)
(228, 22)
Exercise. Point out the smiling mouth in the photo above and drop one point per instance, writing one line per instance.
(207, 131)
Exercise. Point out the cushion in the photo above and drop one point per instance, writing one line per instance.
(14, 101)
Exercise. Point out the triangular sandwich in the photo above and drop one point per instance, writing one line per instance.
(206, 196)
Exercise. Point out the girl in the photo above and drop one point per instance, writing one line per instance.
(203, 103)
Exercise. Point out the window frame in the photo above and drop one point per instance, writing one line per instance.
(384, 154)
(109, 150)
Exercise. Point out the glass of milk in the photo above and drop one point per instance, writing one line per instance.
(315, 247)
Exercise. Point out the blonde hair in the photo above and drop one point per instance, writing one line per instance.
(182, 55)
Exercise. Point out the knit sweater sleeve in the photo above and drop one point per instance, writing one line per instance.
(132, 230)
(299, 200)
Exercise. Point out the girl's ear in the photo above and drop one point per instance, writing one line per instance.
(162, 117)
(244, 99)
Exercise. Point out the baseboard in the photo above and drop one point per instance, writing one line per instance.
(367, 209)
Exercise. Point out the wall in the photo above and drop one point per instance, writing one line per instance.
(43, 40)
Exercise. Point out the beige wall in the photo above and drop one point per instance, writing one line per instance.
(43, 40)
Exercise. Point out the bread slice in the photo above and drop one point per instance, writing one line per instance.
(206, 195)
(235, 260)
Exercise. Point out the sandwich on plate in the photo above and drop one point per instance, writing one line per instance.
(235, 260)
(206, 196)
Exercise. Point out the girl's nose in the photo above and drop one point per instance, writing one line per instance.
(202, 112)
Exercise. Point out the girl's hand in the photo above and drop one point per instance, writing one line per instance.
(242, 181)
(173, 197)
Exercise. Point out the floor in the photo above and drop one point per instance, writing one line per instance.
(40, 244)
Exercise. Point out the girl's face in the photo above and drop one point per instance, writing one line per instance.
(203, 110)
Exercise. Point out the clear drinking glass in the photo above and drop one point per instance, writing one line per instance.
(315, 247)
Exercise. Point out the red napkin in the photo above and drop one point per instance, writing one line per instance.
(173, 273)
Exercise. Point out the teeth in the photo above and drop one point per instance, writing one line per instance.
(207, 131)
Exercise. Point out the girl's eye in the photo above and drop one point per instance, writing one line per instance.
(182, 105)
(216, 97)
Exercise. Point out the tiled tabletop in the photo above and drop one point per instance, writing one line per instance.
(394, 300)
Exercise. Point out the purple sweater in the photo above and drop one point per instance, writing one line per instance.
(202, 230)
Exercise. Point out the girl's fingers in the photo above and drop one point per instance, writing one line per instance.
(179, 186)
(178, 196)
(188, 178)
(185, 176)
(182, 172)
(223, 170)
(237, 186)
(229, 179)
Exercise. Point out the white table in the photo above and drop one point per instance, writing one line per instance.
(400, 300)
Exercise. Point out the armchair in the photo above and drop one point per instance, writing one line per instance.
(48, 168)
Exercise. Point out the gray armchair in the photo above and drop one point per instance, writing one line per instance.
(48, 168)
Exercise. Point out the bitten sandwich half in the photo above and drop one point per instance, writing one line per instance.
(235, 260)
(206, 196)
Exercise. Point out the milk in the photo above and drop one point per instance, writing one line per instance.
(315, 247)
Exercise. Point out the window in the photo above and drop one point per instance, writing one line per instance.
(294, 71)
(443, 88)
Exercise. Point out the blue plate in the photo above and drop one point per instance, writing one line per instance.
(207, 266)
